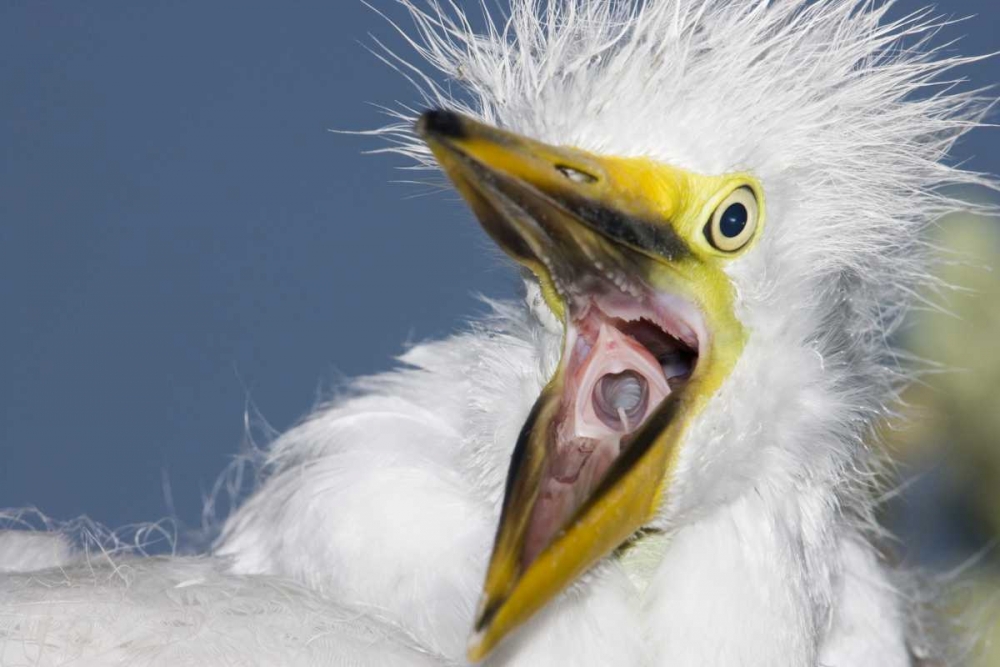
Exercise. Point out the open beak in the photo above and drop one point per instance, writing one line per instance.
(594, 458)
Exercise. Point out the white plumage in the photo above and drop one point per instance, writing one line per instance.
(381, 507)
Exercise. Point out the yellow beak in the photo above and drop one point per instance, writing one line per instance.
(570, 216)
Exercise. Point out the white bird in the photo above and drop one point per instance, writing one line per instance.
(663, 456)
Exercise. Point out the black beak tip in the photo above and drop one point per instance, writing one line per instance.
(440, 123)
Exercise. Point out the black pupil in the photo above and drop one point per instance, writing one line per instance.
(734, 221)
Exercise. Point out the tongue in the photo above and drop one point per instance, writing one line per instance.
(583, 445)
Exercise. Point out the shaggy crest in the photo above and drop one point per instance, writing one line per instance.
(850, 117)
(846, 117)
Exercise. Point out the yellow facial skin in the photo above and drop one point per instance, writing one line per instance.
(566, 214)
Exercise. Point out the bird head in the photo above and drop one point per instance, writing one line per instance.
(722, 202)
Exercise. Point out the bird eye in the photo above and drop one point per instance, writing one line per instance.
(734, 222)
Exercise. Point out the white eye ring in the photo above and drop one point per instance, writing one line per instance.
(734, 222)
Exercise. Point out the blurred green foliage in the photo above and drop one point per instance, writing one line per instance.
(954, 410)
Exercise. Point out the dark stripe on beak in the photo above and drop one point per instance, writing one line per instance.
(659, 240)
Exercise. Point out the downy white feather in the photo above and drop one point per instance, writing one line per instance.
(385, 501)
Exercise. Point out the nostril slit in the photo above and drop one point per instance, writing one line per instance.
(575, 175)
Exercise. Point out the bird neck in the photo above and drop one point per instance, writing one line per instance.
(759, 572)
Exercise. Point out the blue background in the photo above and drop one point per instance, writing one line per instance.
(182, 239)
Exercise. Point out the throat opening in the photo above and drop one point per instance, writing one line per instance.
(621, 361)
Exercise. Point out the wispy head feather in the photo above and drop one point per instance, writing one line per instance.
(847, 118)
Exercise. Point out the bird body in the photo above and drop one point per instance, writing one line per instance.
(433, 486)
(376, 521)
(387, 503)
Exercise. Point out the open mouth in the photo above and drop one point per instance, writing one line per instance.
(623, 357)
(628, 346)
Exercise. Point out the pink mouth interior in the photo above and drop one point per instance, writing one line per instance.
(622, 360)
